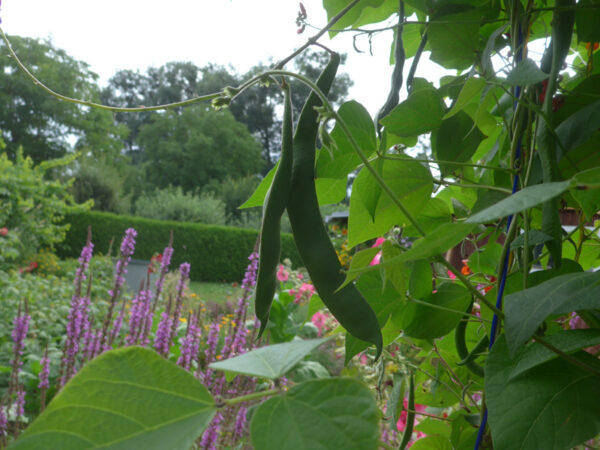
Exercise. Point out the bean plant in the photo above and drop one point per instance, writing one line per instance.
(498, 353)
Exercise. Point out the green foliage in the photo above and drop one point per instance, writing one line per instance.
(38, 123)
(173, 204)
(32, 206)
(233, 192)
(198, 145)
(176, 406)
(216, 253)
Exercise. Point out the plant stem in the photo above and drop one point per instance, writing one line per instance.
(475, 186)
(567, 357)
(253, 396)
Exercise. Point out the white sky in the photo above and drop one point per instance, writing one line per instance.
(134, 34)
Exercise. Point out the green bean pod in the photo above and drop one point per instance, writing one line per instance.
(562, 31)
(410, 414)
(317, 253)
(270, 233)
(468, 358)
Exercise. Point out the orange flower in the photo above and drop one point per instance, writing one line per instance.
(465, 268)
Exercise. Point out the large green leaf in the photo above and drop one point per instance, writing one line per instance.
(408, 179)
(353, 16)
(526, 73)
(454, 39)
(331, 190)
(336, 413)
(420, 113)
(554, 407)
(258, 196)
(576, 129)
(440, 316)
(383, 301)
(341, 159)
(435, 243)
(468, 94)
(456, 140)
(567, 341)
(587, 18)
(126, 398)
(527, 198)
(527, 309)
(270, 362)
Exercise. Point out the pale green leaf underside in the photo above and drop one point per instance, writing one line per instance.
(126, 398)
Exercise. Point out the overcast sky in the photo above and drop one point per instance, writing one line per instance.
(134, 34)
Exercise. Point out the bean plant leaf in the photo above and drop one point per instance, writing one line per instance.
(435, 243)
(430, 442)
(341, 159)
(454, 39)
(527, 198)
(330, 190)
(438, 315)
(456, 140)
(125, 398)
(469, 93)
(270, 362)
(576, 129)
(420, 113)
(323, 414)
(412, 184)
(383, 302)
(527, 309)
(525, 73)
(333, 7)
(554, 407)
(535, 237)
(258, 196)
(587, 18)
(567, 341)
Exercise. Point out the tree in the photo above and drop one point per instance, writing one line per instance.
(190, 148)
(43, 126)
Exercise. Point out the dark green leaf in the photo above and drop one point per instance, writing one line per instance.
(321, 414)
(456, 140)
(526, 73)
(431, 442)
(527, 198)
(420, 113)
(126, 398)
(420, 284)
(587, 18)
(567, 341)
(527, 309)
(447, 308)
(270, 362)
(554, 407)
(579, 126)
(454, 39)
(535, 237)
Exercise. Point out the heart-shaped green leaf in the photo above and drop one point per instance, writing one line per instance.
(126, 398)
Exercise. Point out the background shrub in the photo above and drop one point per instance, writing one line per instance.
(216, 253)
(173, 204)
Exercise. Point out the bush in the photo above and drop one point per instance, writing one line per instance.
(31, 206)
(216, 253)
(233, 192)
(173, 204)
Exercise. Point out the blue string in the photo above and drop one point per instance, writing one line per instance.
(515, 187)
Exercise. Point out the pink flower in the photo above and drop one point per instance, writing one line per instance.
(319, 320)
(451, 275)
(306, 291)
(282, 274)
(378, 242)
(376, 260)
(3, 231)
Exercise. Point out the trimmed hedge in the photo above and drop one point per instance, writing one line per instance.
(216, 253)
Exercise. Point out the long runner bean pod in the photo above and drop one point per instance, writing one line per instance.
(275, 204)
(317, 253)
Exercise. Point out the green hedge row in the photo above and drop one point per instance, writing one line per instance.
(216, 253)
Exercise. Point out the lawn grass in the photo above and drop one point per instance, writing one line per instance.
(219, 293)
